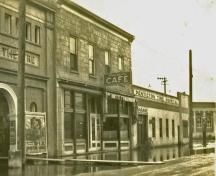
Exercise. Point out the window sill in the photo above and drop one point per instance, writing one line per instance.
(92, 76)
(74, 71)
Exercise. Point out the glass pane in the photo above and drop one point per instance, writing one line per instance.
(80, 126)
(91, 52)
(120, 63)
(68, 126)
(90, 66)
(79, 100)
(110, 126)
(73, 62)
(72, 45)
(106, 58)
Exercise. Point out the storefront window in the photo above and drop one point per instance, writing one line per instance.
(68, 126)
(79, 101)
(80, 126)
(124, 107)
(112, 106)
(124, 128)
(110, 126)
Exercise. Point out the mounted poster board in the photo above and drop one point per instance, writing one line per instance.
(36, 133)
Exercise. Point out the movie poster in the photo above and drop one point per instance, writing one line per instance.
(36, 138)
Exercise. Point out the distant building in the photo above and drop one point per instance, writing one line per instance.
(162, 119)
(204, 113)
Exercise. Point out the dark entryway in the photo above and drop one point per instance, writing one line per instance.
(142, 130)
(4, 126)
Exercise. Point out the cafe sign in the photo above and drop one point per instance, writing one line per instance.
(117, 78)
(11, 53)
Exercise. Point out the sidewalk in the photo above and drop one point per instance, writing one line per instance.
(196, 165)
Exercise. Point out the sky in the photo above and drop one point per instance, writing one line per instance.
(164, 33)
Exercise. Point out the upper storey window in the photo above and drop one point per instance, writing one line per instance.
(73, 54)
(37, 34)
(91, 60)
(107, 62)
(120, 63)
(28, 31)
(8, 27)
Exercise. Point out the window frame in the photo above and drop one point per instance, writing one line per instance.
(120, 63)
(74, 54)
(37, 34)
(91, 60)
(107, 63)
(28, 35)
(8, 23)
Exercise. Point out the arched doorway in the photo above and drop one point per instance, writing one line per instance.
(4, 125)
(8, 116)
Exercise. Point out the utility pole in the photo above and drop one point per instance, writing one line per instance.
(163, 82)
(21, 81)
(190, 103)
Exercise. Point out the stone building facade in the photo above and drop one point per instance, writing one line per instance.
(91, 115)
(162, 119)
(38, 74)
(204, 114)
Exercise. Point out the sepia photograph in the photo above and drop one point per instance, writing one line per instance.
(107, 87)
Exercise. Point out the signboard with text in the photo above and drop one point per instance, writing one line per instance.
(11, 53)
(36, 133)
(117, 78)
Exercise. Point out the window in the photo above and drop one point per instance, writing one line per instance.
(173, 128)
(199, 116)
(120, 63)
(28, 31)
(80, 126)
(124, 128)
(79, 101)
(107, 62)
(160, 128)
(17, 26)
(68, 126)
(73, 54)
(37, 34)
(124, 107)
(74, 119)
(8, 23)
(185, 128)
(167, 127)
(110, 126)
(112, 106)
(91, 60)
(209, 119)
(33, 107)
(153, 126)
(68, 99)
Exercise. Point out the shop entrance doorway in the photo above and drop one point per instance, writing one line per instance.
(142, 130)
(4, 125)
(95, 132)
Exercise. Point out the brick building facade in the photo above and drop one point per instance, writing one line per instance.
(162, 119)
(91, 115)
